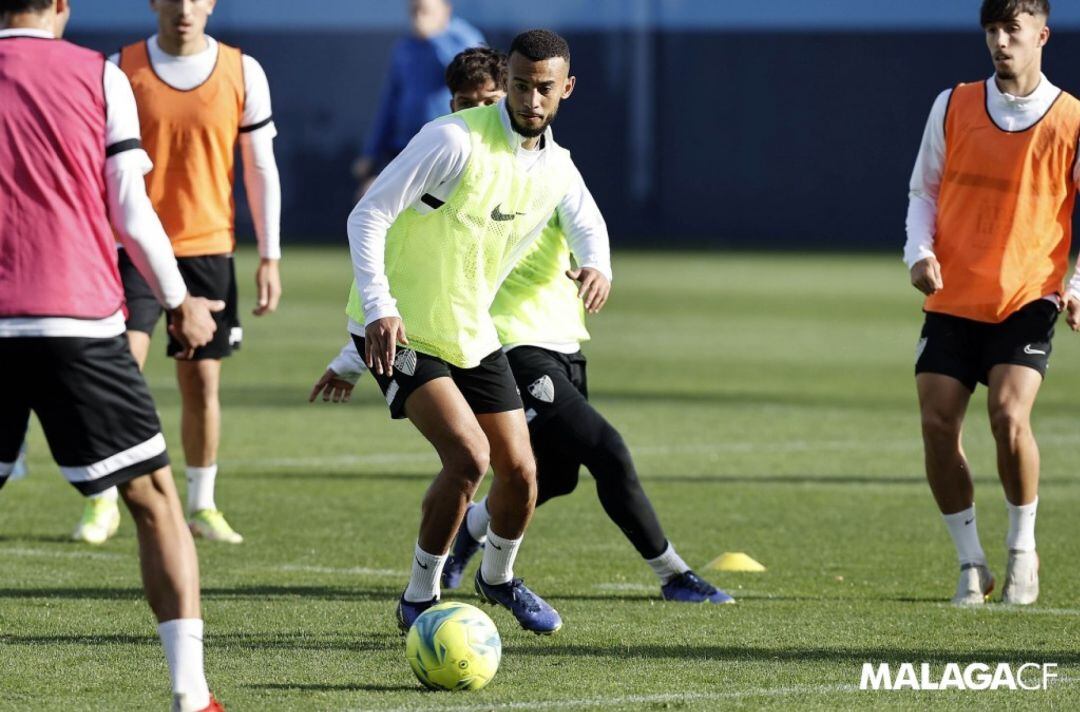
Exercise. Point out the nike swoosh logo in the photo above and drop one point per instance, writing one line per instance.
(1033, 352)
(969, 521)
(499, 216)
(495, 545)
(423, 566)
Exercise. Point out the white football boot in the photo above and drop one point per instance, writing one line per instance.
(974, 587)
(1021, 578)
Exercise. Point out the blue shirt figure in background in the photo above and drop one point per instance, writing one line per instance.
(415, 89)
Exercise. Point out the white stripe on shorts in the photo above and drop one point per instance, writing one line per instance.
(132, 456)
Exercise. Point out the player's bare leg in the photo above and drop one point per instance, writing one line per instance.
(511, 502)
(139, 343)
(1013, 389)
(441, 414)
(200, 431)
(170, 574)
(943, 401)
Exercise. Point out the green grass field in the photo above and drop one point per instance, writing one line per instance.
(770, 405)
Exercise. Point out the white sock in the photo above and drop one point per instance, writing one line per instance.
(1021, 526)
(110, 494)
(426, 576)
(183, 642)
(477, 520)
(499, 554)
(200, 488)
(965, 536)
(668, 565)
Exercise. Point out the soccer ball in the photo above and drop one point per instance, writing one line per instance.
(453, 646)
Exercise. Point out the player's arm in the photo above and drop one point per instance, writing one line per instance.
(1072, 292)
(587, 234)
(137, 225)
(922, 201)
(262, 183)
(336, 383)
(437, 154)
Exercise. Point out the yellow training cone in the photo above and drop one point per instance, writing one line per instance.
(735, 561)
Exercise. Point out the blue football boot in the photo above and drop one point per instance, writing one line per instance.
(409, 611)
(688, 587)
(464, 548)
(531, 611)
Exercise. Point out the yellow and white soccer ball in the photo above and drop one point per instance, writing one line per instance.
(453, 646)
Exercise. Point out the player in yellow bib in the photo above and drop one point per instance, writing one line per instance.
(540, 320)
(431, 242)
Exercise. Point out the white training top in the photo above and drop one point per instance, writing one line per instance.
(261, 180)
(1011, 113)
(433, 163)
(130, 212)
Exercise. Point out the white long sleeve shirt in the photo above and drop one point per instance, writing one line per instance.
(262, 182)
(1010, 113)
(130, 212)
(432, 164)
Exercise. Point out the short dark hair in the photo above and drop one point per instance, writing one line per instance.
(474, 67)
(538, 45)
(1005, 10)
(7, 6)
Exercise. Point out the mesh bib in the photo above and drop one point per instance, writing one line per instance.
(538, 303)
(445, 267)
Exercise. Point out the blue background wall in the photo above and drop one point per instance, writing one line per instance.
(780, 123)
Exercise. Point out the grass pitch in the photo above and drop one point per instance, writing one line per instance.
(770, 405)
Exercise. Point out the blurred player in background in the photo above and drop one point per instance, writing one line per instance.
(71, 173)
(431, 241)
(414, 92)
(197, 98)
(541, 323)
(989, 225)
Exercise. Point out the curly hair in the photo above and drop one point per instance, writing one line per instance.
(538, 45)
(474, 67)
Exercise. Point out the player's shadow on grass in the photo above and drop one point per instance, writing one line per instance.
(855, 657)
(344, 475)
(305, 687)
(794, 479)
(367, 642)
(38, 539)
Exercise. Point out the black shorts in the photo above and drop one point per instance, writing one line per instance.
(488, 388)
(93, 405)
(212, 277)
(548, 381)
(966, 349)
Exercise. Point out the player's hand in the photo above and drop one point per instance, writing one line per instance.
(1072, 312)
(926, 276)
(192, 323)
(594, 287)
(267, 287)
(332, 388)
(381, 338)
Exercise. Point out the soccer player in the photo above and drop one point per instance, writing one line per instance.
(989, 227)
(414, 93)
(540, 321)
(197, 98)
(431, 241)
(71, 172)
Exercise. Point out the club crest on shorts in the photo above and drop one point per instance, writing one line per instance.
(405, 361)
(919, 348)
(543, 389)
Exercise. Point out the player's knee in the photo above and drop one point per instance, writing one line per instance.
(940, 426)
(145, 499)
(1009, 424)
(468, 460)
(614, 456)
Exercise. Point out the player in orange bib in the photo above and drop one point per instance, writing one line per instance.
(989, 225)
(197, 99)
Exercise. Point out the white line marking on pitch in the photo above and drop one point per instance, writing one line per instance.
(47, 554)
(674, 697)
(351, 571)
